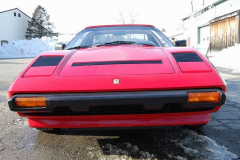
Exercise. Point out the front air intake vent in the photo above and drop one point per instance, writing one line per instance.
(191, 62)
(44, 66)
(47, 61)
(187, 57)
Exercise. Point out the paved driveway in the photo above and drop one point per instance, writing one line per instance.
(220, 139)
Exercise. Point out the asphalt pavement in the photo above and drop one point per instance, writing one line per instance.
(219, 139)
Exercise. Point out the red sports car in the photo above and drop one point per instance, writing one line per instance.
(118, 76)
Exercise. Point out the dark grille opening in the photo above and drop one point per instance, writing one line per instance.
(176, 108)
(171, 108)
(123, 110)
(117, 109)
(62, 111)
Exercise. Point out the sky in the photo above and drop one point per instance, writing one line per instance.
(72, 16)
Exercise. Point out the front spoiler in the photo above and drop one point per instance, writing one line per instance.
(81, 102)
(118, 121)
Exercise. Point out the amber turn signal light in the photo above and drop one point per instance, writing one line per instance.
(31, 102)
(204, 97)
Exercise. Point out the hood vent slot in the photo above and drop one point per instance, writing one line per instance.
(116, 62)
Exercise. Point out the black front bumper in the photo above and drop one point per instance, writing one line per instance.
(82, 102)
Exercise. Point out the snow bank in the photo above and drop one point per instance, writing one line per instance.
(27, 48)
(184, 144)
(202, 147)
(227, 58)
(126, 151)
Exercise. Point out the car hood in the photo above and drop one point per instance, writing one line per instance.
(117, 60)
(66, 78)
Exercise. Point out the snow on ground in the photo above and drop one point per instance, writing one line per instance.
(126, 153)
(27, 48)
(194, 146)
(31, 48)
(227, 58)
(203, 147)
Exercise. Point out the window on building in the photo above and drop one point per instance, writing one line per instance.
(19, 15)
(15, 14)
(4, 42)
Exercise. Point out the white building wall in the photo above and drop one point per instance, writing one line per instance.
(13, 27)
(227, 7)
(198, 4)
(192, 26)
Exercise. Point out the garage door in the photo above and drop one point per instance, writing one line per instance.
(204, 35)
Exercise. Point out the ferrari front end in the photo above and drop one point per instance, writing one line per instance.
(130, 83)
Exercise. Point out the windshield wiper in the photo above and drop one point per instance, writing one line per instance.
(115, 43)
(145, 43)
(78, 47)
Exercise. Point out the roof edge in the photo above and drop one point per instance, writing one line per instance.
(116, 25)
(17, 9)
(8, 10)
(225, 16)
(24, 14)
(205, 8)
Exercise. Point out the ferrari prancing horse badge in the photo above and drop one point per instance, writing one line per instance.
(116, 81)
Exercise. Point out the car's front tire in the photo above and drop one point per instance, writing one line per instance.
(195, 126)
(48, 129)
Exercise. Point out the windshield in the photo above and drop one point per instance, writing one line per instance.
(119, 35)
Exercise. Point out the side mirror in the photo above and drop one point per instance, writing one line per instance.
(60, 46)
(181, 43)
(63, 46)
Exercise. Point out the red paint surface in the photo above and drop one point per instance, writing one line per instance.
(66, 79)
(119, 69)
(194, 67)
(166, 119)
(119, 120)
(40, 71)
(177, 80)
(117, 53)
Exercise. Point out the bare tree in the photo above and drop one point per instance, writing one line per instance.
(133, 17)
(121, 19)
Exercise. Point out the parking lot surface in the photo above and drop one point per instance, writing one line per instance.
(219, 139)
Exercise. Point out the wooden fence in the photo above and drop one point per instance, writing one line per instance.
(224, 32)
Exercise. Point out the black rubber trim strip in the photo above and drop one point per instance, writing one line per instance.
(47, 61)
(81, 102)
(116, 62)
(187, 57)
(117, 128)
